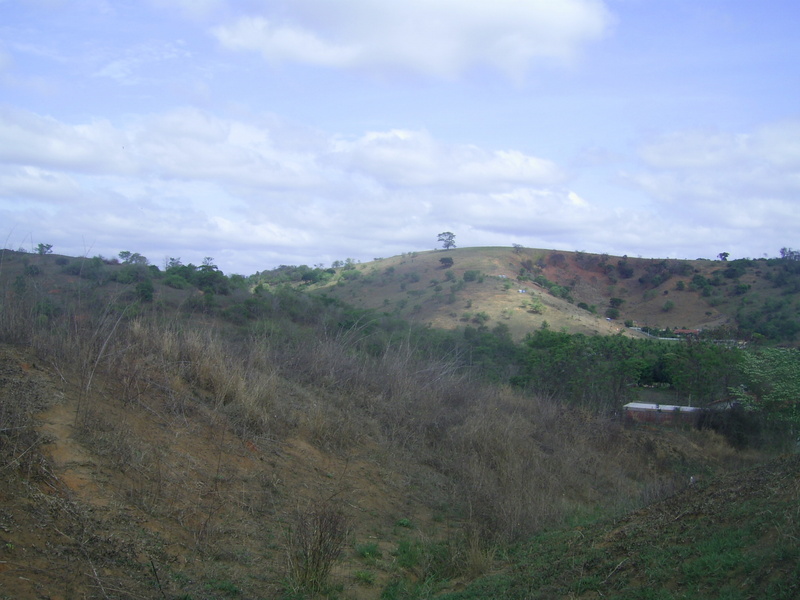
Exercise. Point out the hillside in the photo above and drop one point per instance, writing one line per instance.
(146, 499)
(158, 440)
(656, 293)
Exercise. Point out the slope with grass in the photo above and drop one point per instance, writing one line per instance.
(158, 448)
(574, 291)
(732, 536)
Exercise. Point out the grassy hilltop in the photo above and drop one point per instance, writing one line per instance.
(573, 291)
(181, 434)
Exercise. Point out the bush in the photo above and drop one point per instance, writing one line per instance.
(471, 275)
(314, 543)
(145, 290)
(176, 281)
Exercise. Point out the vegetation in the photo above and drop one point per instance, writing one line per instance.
(447, 239)
(262, 437)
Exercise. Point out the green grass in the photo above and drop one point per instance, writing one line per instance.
(734, 540)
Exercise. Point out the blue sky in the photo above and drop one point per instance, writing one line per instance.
(277, 132)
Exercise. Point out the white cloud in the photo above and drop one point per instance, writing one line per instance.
(27, 138)
(193, 183)
(279, 43)
(734, 183)
(415, 158)
(204, 181)
(136, 64)
(434, 37)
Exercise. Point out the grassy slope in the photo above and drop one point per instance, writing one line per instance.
(735, 537)
(155, 485)
(403, 285)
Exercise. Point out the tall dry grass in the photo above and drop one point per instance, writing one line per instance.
(504, 462)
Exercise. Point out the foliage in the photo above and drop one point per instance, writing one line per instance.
(207, 277)
(446, 262)
(471, 275)
(447, 240)
(145, 290)
(133, 258)
(771, 383)
(43, 249)
(773, 318)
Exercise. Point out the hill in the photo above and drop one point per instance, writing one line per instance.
(574, 291)
(175, 435)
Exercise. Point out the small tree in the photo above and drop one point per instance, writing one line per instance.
(447, 239)
(447, 262)
(616, 302)
(314, 542)
(44, 249)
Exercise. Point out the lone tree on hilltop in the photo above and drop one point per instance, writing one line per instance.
(447, 239)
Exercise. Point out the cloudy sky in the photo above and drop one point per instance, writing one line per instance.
(268, 132)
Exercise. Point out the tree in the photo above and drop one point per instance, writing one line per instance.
(772, 383)
(447, 262)
(616, 302)
(133, 258)
(723, 256)
(447, 239)
(44, 249)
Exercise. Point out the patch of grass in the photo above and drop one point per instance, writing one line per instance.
(369, 551)
(364, 577)
(228, 588)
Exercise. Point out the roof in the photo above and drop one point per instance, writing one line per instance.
(659, 407)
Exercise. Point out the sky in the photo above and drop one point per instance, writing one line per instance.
(288, 132)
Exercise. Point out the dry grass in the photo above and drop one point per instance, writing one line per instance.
(190, 421)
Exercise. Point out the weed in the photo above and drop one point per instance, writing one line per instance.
(368, 551)
(364, 577)
(314, 542)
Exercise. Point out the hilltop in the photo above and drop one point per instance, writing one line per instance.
(572, 291)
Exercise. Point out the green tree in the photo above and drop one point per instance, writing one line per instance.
(772, 383)
(447, 239)
(447, 262)
(44, 249)
(133, 258)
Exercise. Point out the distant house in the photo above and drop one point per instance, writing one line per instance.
(662, 414)
(687, 332)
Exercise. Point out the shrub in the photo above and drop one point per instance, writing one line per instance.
(315, 541)
(176, 281)
(471, 275)
(145, 290)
